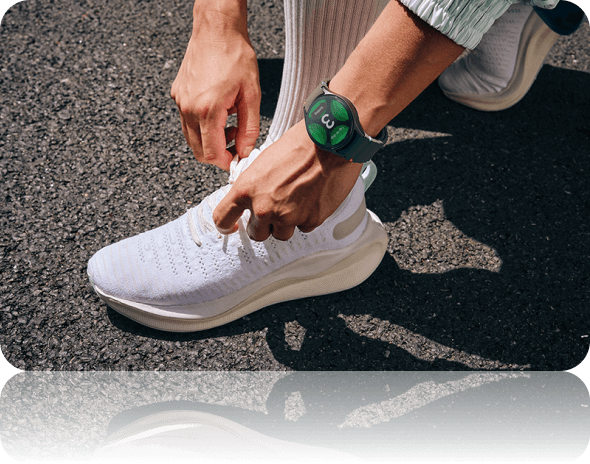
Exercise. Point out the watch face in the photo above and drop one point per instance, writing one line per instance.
(329, 122)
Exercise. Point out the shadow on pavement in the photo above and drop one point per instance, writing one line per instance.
(515, 180)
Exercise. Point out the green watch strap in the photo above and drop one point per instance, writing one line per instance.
(364, 148)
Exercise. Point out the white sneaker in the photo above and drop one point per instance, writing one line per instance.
(499, 72)
(184, 276)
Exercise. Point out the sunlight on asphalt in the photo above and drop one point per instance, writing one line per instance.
(418, 345)
(424, 241)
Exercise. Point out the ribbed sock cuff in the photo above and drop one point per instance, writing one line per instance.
(320, 36)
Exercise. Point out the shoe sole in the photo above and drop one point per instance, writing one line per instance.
(536, 41)
(349, 266)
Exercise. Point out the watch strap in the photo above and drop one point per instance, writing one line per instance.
(361, 149)
(319, 90)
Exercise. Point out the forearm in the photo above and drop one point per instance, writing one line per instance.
(399, 57)
(220, 18)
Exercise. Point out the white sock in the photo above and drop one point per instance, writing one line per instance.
(489, 67)
(320, 35)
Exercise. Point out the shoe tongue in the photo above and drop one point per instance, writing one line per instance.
(238, 165)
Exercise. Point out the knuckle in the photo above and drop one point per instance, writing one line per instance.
(217, 217)
(310, 225)
(241, 193)
(259, 238)
(262, 213)
(198, 153)
(183, 107)
(263, 210)
(174, 88)
(287, 218)
(254, 95)
(209, 156)
(256, 234)
(201, 110)
(252, 131)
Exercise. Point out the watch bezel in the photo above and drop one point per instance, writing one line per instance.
(353, 124)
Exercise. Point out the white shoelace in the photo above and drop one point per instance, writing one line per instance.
(236, 168)
(368, 174)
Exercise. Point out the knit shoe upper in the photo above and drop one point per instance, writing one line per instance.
(498, 73)
(187, 263)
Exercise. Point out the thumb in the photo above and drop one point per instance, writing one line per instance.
(248, 110)
(227, 213)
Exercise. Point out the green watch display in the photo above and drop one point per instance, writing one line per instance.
(332, 123)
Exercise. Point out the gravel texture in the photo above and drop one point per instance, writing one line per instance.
(422, 240)
(91, 151)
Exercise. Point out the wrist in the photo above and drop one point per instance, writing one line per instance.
(371, 108)
(327, 161)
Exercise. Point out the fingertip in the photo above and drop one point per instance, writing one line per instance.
(246, 151)
(226, 216)
(306, 230)
(224, 162)
(229, 231)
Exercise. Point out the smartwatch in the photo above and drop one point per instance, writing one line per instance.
(332, 123)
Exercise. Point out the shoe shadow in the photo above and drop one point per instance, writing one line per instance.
(514, 180)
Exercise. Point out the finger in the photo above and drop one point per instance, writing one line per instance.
(174, 90)
(306, 229)
(282, 233)
(193, 139)
(184, 129)
(213, 139)
(311, 223)
(248, 122)
(227, 213)
(258, 230)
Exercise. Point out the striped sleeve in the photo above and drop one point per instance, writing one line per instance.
(546, 4)
(465, 21)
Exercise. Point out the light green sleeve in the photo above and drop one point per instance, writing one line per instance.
(465, 21)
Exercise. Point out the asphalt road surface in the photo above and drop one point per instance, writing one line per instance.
(487, 213)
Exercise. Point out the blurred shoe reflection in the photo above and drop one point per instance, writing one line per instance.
(189, 434)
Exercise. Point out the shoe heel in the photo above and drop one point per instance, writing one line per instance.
(537, 39)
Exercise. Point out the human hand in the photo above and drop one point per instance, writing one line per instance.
(291, 184)
(218, 77)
